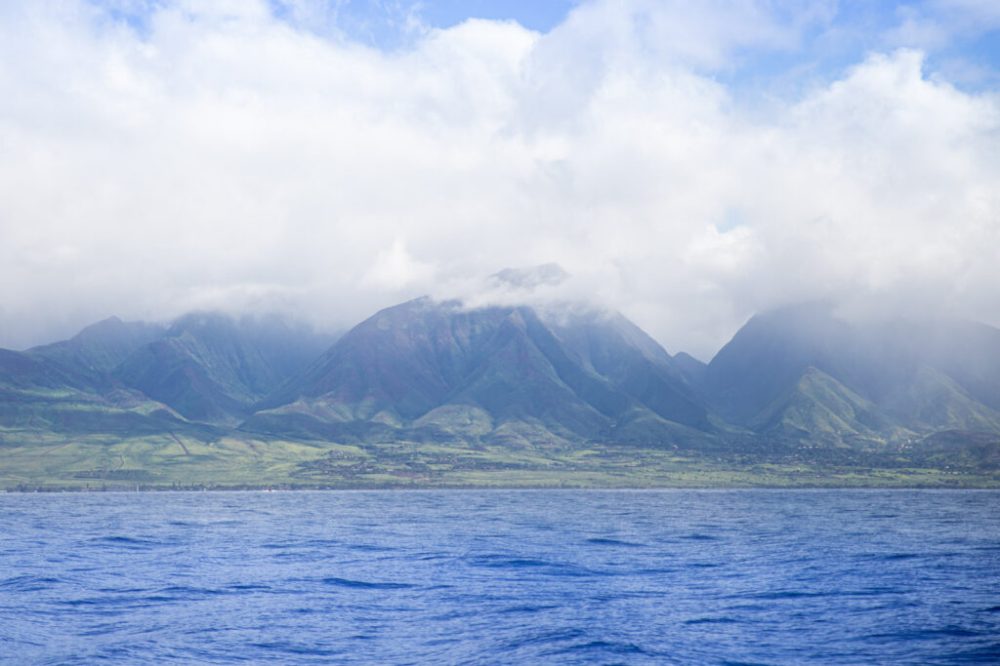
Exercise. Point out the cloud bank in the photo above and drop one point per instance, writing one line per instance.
(220, 156)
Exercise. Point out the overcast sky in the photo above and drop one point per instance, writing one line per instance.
(688, 163)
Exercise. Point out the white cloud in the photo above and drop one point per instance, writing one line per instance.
(224, 158)
(943, 24)
(395, 269)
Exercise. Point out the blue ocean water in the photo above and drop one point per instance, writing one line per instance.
(483, 577)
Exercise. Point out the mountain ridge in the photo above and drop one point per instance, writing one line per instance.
(508, 361)
(799, 382)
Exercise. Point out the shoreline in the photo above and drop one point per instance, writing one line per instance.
(495, 487)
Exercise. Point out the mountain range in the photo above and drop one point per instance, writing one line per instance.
(800, 379)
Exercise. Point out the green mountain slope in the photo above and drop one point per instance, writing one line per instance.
(917, 375)
(435, 392)
(39, 396)
(99, 348)
(213, 368)
(821, 409)
(931, 401)
(448, 371)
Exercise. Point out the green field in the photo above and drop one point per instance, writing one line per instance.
(94, 462)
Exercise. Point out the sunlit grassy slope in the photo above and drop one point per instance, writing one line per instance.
(50, 461)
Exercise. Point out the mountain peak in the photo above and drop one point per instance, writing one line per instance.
(578, 377)
(202, 320)
(548, 275)
(112, 321)
(111, 326)
(101, 346)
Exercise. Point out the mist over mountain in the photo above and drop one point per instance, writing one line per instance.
(690, 164)
(496, 372)
(210, 367)
(100, 347)
(523, 371)
(804, 368)
(129, 378)
(803, 378)
(530, 278)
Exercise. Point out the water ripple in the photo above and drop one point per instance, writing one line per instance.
(740, 577)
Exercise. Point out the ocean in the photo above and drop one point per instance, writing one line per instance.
(501, 577)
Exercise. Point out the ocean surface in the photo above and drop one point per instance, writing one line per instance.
(484, 577)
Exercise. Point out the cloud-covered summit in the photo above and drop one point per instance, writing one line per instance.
(221, 155)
